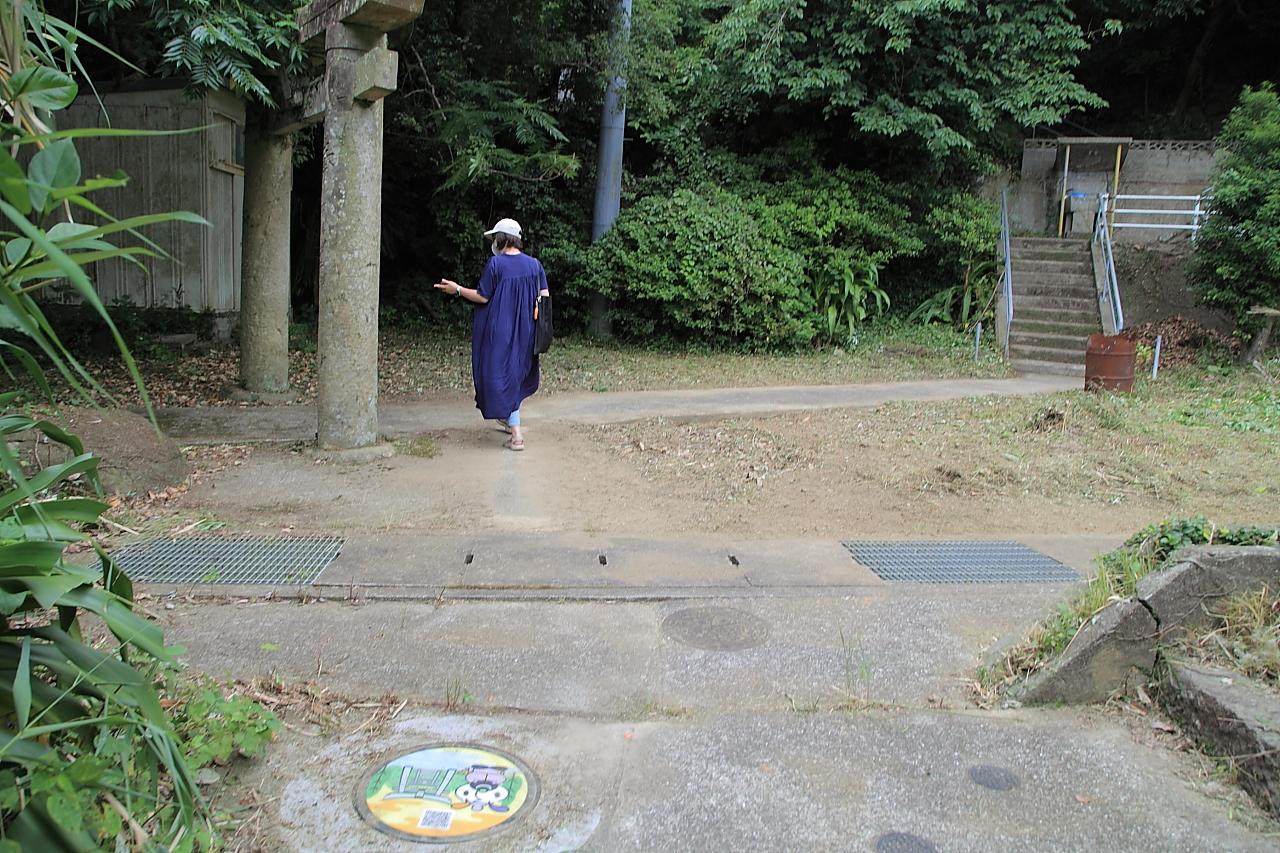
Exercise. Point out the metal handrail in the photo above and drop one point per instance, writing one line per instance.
(1195, 213)
(1109, 296)
(1006, 282)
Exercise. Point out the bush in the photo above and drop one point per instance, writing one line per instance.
(758, 268)
(708, 266)
(89, 754)
(1237, 258)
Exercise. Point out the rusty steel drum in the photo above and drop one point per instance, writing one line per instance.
(1109, 363)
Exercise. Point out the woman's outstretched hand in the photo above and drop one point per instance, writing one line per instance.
(449, 287)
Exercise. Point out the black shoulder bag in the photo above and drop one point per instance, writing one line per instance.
(542, 333)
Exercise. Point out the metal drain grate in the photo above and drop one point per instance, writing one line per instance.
(959, 562)
(274, 560)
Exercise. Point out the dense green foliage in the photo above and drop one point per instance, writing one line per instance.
(937, 75)
(89, 758)
(774, 268)
(961, 230)
(1237, 257)
(738, 104)
(250, 48)
(704, 264)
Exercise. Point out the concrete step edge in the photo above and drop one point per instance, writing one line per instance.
(1056, 368)
(1062, 340)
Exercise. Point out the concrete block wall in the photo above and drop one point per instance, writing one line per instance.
(1151, 167)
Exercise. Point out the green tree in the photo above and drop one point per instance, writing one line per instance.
(250, 48)
(1237, 257)
(943, 74)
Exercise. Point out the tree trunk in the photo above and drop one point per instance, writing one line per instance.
(1257, 349)
(1195, 68)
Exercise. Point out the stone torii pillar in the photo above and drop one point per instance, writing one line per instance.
(359, 72)
(264, 276)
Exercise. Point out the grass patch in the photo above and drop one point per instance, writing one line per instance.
(1247, 640)
(421, 446)
(1119, 571)
(411, 363)
(887, 351)
(651, 708)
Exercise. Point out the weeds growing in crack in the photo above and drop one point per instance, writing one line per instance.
(456, 696)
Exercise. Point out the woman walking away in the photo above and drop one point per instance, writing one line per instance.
(503, 364)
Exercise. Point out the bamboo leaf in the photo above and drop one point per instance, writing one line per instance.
(38, 555)
(29, 363)
(46, 478)
(81, 283)
(22, 686)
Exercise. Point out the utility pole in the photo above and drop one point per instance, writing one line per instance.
(613, 125)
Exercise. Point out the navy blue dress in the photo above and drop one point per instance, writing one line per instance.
(503, 365)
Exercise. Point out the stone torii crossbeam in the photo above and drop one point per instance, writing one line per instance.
(359, 71)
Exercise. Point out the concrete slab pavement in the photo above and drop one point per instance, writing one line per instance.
(785, 781)
(573, 565)
(669, 693)
(901, 645)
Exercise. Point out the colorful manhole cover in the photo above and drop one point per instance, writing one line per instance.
(447, 792)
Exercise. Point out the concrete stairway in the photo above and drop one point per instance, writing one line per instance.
(1055, 305)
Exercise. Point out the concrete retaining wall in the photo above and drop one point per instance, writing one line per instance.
(1120, 643)
(1151, 167)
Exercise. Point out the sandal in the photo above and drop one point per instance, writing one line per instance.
(503, 425)
(513, 444)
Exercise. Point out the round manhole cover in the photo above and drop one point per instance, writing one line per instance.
(446, 792)
(717, 629)
(903, 842)
(995, 778)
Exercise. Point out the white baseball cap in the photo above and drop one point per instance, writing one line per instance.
(505, 226)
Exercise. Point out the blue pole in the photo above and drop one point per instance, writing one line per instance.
(613, 126)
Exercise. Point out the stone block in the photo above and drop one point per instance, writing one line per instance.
(375, 75)
(1235, 718)
(380, 15)
(1237, 568)
(1180, 597)
(1109, 650)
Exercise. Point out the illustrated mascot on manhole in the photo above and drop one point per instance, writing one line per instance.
(485, 787)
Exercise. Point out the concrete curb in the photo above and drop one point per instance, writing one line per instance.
(1122, 640)
(1233, 717)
